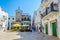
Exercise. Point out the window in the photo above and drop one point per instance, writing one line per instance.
(13, 18)
(8, 25)
(18, 12)
(52, 8)
(49, 10)
(25, 18)
(56, 7)
(39, 11)
(18, 20)
(22, 19)
(8, 18)
(46, 11)
(28, 18)
(4, 18)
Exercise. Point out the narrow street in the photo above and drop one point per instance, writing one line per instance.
(24, 36)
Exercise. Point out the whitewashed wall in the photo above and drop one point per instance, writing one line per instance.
(3, 20)
(11, 20)
(50, 27)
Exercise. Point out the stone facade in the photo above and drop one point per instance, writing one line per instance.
(37, 19)
(49, 13)
(3, 20)
(50, 21)
(25, 20)
(18, 15)
(20, 19)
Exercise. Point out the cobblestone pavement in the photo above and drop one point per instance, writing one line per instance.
(8, 35)
(25, 36)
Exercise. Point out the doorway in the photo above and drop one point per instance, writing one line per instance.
(54, 29)
(46, 28)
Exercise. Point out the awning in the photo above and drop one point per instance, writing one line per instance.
(16, 25)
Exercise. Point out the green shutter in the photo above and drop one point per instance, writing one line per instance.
(54, 30)
(46, 28)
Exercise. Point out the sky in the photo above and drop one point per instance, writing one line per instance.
(28, 6)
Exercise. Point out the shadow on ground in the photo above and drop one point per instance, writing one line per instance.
(23, 35)
(34, 36)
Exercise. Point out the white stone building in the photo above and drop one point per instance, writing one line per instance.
(11, 20)
(3, 20)
(23, 18)
(37, 19)
(51, 19)
(19, 20)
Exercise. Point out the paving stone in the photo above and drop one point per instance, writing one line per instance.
(25, 36)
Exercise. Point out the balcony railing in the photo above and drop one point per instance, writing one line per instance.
(26, 19)
(50, 11)
(53, 8)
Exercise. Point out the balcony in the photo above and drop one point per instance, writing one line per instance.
(51, 9)
(42, 15)
(26, 19)
(51, 14)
